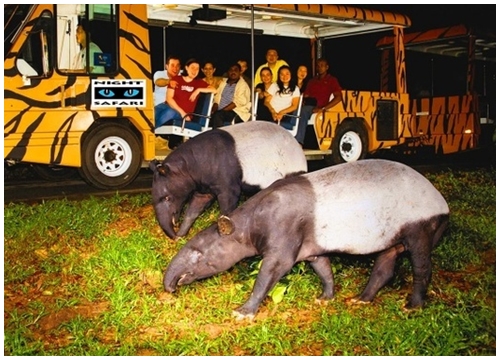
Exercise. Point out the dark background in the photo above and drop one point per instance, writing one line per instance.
(353, 60)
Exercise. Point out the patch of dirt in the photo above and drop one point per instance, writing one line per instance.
(129, 220)
(147, 352)
(87, 311)
(460, 279)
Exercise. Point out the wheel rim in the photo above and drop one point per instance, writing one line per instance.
(350, 146)
(113, 156)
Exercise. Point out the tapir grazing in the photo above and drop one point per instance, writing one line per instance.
(221, 164)
(364, 207)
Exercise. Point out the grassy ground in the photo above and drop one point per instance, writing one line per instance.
(85, 278)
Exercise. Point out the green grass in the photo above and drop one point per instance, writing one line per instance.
(85, 278)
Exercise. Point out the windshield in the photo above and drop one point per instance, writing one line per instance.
(14, 17)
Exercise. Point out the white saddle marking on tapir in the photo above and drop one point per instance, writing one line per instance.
(266, 152)
(361, 210)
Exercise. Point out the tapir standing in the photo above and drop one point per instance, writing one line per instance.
(221, 164)
(364, 207)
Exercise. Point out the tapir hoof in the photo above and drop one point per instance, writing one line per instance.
(323, 299)
(240, 317)
(320, 301)
(414, 305)
(357, 301)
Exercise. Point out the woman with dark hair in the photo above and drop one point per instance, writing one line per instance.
(285, 95)
(266, 78)
(302, 78)
(209, 71)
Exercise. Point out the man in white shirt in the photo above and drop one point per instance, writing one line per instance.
(162, 78)
(232, 101)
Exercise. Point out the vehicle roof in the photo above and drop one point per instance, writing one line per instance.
(448, 41)
(294, 20)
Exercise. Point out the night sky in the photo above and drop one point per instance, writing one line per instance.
(353, 60)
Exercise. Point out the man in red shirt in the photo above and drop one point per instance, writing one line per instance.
(317, 96)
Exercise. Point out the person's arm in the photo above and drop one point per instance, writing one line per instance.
(267, 103)
(209, 89)
(291, 108)
(261, 91)
(241, 95)
(336, 99)
(162, 82)
(337, 96)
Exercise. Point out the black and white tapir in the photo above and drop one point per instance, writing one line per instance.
(221, 164)
(364, 207)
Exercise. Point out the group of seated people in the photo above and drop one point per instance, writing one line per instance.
(278, 92)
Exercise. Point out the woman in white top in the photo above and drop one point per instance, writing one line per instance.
(284, 93)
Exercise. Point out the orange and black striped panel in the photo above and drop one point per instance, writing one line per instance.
(345, 12)
(45, 119)
(363, 105)
(449, 124)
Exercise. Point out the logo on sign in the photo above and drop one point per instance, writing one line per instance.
(118, 93)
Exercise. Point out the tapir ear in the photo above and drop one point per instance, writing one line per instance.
(153, 164)
(225, 225)
(163, 170)
(158, 167)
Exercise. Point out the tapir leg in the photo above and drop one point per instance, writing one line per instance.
(228, 199)
(420, 257)
(422, 269)
(382, 272)
(420, 248)
(322, 266)
(197, 204)
(271, 271)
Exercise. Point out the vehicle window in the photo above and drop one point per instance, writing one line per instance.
(34, 58)
(87, 38)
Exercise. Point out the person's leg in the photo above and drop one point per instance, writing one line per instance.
(159, 110)
(221, 117)
(305, 115)
(164, 113)
(216, 121)
(263, 112)
(237, 119)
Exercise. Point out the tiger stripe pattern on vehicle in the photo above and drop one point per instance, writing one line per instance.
(45, 118)
(449, 123)
(362, 105)
(345, 12)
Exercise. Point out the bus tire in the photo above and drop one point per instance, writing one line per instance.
(111, 156)
(349, 144)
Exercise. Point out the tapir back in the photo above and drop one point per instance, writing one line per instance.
(363, 207)
(266, 152)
